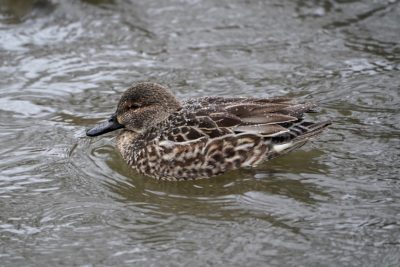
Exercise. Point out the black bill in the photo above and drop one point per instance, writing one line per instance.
(105, 127)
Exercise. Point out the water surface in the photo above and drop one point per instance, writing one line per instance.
(66, 199)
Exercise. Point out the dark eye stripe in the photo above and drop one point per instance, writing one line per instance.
(134, 106)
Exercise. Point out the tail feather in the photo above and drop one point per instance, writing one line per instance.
(312, 130)
(298, 135)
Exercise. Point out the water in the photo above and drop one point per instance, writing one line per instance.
(66, 199)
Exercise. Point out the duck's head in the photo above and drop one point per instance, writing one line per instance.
(141, 107)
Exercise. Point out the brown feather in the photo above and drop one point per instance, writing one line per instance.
(298, 110)
(246, 110)
(264, 129)
(275, 118)
(224, 119)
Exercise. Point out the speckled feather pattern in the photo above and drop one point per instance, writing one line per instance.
(208, 136)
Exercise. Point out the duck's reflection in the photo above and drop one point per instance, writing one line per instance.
(265, 193)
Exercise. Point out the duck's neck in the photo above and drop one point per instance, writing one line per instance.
(126, 145)
(129, 143)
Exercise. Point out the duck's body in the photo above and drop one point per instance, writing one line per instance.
(204, 137)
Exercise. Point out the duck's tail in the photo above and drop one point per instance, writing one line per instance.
(297, 136)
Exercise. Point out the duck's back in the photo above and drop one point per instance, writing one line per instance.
(212, 135)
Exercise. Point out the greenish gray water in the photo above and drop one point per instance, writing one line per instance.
(69, 200)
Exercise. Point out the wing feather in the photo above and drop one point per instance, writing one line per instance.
(279, 118)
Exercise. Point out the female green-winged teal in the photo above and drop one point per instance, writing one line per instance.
(206, 136)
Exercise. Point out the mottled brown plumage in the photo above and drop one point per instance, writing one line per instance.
(204, 137)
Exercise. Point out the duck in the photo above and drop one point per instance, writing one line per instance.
(167, 139)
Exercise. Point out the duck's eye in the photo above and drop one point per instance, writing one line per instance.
(134, 106)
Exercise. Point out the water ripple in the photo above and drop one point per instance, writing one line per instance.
(68, 198)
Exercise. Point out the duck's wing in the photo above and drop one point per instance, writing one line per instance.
(278, 119)
(206, 139)
(268, 117)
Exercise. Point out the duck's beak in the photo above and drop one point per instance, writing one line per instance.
(108, 126)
